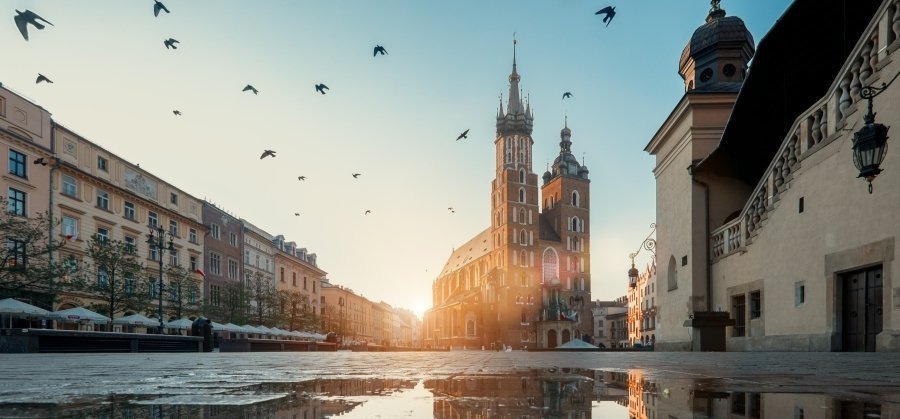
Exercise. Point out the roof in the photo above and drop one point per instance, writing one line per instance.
(473, 249)
(547, 232)
(794, 66)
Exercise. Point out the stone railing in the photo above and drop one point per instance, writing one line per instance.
(819, 125)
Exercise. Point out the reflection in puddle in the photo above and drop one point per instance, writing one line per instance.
(556, 393)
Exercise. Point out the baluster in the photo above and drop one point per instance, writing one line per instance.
(791, 158)
(796, 153)
(844, 102)
(824, 124)
(873, 54)
(815, 134)
(855, 84)
(865, 70)
(776, 172)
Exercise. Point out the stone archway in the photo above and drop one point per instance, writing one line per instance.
(551, 339)
(566, 336)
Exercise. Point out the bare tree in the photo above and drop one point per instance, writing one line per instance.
(114, 275)
(28, 265)
(264, 300)
(183, 292)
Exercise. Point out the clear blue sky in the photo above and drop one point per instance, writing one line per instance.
(392, 118)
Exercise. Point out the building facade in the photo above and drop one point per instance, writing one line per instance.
(525, 280)
(222, 266)
(298, 278)
(642, 315)
(604, 313)
(769, 241)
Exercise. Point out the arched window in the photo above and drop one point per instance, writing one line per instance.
(524, 316)
(551, 338)
(522, 219)
(522, 195)
(524, 258)
(566, 336)
(672, 274)
(574, 226)
(575, 199)
(550, 265)
(521, 175)
(523, 240)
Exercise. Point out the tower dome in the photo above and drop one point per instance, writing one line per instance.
(718, 53)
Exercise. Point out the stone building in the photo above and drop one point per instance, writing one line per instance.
(766, 238)
(297, 274)
(96, 192)
(222, 265)
(259, 256)
(642, 313)
(604, 313)
(347, 314)
(525, 280)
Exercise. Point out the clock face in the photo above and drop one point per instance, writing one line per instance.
(706, 75)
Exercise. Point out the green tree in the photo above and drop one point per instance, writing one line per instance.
(230, 305)
(183, 292)
(264, 306)
(28, 266)
(114, 274)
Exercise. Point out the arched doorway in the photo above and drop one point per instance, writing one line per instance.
(566, 336)
(551, 339)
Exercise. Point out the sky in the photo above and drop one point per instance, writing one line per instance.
(392, 118)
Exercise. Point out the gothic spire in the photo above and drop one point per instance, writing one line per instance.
(515, 101)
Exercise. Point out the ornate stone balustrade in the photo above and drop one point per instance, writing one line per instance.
(822, 123)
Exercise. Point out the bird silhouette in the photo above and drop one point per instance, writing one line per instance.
(170, 43)
(356, 175)
(321, 88)
(465, 134)
(177, 112)
(379, 49)
(41, 161)
(368, 212)
(251, 88)
(452, 210)
(267, 153)
(610, 13)
(301, 177)
(567, 95)
(24, 18)
(43, 78)
(157, 7)
(296, 214)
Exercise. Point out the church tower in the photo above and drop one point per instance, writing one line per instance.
(514, 219)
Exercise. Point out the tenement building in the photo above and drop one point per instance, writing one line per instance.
(525, 280)
(767, 238)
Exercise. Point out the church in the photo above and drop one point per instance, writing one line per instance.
(524, 281)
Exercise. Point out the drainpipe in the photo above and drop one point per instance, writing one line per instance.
(706, 257)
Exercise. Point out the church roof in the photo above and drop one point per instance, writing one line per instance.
(547, 231)
(473, 249)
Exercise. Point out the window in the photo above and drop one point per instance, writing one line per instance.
(173, 198)
(129, 210)
(102, 277)
(232, 238)
(15, 203)
(738, 306)
(70, 186)
(314, 287)
(294, 279)
(305, 283)
(214, 230)
(70, 227)
(192, 235)
(131, 244)
(173, 228)
(282, 274)
(550, 265)
(15, 254)
(103, 200)
(215, 264)
(102, 235)
(574, 226)
(799, 293)
(17, 163)
(173, 258)
(102, 164)
(214, 295)
(152, 219)
(755, 304)
(522, 195)
(129, 283)
(672, 274)
(521, 175)
(193, 263)
(232, 269)
(154, 253)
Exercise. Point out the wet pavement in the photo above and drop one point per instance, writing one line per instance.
(472, 384)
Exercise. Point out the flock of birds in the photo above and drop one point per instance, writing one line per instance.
(23, 19)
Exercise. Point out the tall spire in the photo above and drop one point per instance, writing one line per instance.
(515, 101)
(517, 118)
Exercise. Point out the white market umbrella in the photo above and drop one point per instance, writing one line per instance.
(181, 324)
(15, 307)
(231, 327)
(576, 344)
(137, 320)
(77, 314)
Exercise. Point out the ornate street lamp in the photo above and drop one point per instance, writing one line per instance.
(158, 241)
(650, 245)
(870, 142)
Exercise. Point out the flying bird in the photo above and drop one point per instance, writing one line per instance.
(465, 134)
(296, 214)
(157, 7)
(610, 13)
(301, 177)
(321, 88)
(567, 95)
(24, 18)
(170, 43)
(356, 175)
(177, 112)
(379, 49)
(368, 212)
(41, 161)
(452, 210)
(267, 153)
(43, 78)
(251, 88)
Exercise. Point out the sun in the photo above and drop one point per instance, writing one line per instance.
(419, 307)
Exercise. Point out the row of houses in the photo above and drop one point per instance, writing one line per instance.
(238, 272)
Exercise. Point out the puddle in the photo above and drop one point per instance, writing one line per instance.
(551, 393)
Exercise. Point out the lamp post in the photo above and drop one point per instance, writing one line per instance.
(870, 142)
(158, 241)
(650, 244)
